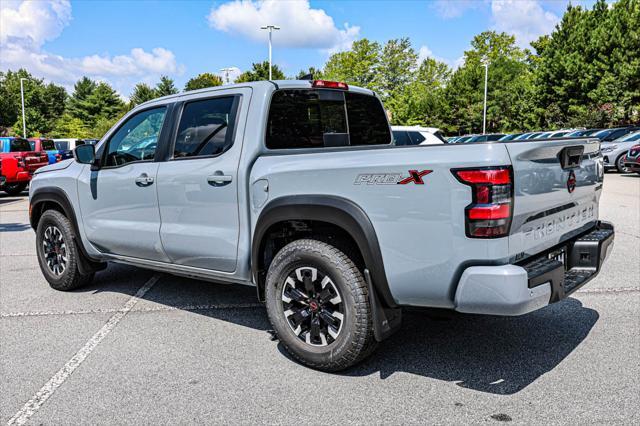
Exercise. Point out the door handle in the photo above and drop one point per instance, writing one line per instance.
(219, 179)
(144, 180)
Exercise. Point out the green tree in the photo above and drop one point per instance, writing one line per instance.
(398, 61)
(44, 103)
(165, 87)
(509, 97)
(105, 103)
(142, 93)
(78, 105)
(260, 71)
(422, 102)
(202, 81)
(68, 126)
(357, 66)
(315, 73)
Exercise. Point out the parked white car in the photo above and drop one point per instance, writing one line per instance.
(416, 135)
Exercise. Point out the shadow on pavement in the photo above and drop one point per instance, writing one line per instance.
(13, 227)
(498, 355)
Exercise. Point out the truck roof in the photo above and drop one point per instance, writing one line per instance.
(276, 84)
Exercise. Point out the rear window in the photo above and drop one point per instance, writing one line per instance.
(416, 138)
(48, 145)
(318, 118)
(19, 145)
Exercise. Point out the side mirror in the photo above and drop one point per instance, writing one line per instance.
(85, 154)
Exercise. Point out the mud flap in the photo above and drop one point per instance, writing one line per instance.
(386, 321)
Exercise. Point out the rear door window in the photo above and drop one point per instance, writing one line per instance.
(19, 145)
(206, 127)
(318, 118)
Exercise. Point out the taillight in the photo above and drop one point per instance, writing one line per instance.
(325, 84)
(489, 215)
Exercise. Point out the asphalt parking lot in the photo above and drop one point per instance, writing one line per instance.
(145, 347)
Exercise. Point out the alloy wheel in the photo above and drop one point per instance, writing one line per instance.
(55, 250)
(313, 306)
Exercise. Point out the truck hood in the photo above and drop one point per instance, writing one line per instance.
(53, 167)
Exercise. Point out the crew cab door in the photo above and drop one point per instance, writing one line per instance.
(119, 202)
(198, 184)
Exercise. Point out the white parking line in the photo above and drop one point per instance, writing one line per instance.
(34, 404)
(144, 309)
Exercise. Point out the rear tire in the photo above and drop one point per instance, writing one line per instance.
(318, 304)
(14, 189)
(620, 165)
(58, 253)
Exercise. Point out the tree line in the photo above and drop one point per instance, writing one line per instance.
(585, 73)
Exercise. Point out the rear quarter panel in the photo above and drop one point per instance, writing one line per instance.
(420, 228)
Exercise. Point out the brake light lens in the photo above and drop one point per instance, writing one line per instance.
(490, 213)
(325, 84)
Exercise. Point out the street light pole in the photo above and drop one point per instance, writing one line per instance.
(24, 122)
(484, 113)
(226, 73)
(271, 28)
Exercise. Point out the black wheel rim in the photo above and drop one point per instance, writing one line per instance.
(313, 306)
(55, 250)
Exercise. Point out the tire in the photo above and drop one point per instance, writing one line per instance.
(620, 165)
(14, 189)
(334, 343)
(58, 253)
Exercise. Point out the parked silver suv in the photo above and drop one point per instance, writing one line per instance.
(295, 187)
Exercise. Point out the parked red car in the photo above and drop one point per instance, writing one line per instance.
(632, 159)
(18, 163)
(48, 146)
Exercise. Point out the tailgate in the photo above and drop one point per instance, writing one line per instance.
(556, 197)
(35, 160)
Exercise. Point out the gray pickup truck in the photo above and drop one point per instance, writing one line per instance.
(295, 187)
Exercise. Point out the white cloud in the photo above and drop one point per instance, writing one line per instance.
(26, 25)
(526, 19)
(301, 26)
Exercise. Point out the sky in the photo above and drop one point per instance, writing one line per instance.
(128, 41)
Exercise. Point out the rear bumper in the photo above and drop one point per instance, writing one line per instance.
(519, 289)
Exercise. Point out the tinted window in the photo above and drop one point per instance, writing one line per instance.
(416, 138)
(367, 120)
(631, 137)
(32, 144)
(494, 137)
(19, 144)
(206, 127)
(318, 118)
(61, 145)
(401, 138)
(137, 138)
(47, 145)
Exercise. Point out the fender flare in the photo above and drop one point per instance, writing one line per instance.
(59, 197)
(337, 211)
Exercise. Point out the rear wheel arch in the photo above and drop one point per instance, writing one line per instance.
(331, 214)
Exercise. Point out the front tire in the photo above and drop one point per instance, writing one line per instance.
(14, 189)
(58, 253)
(318, 304)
